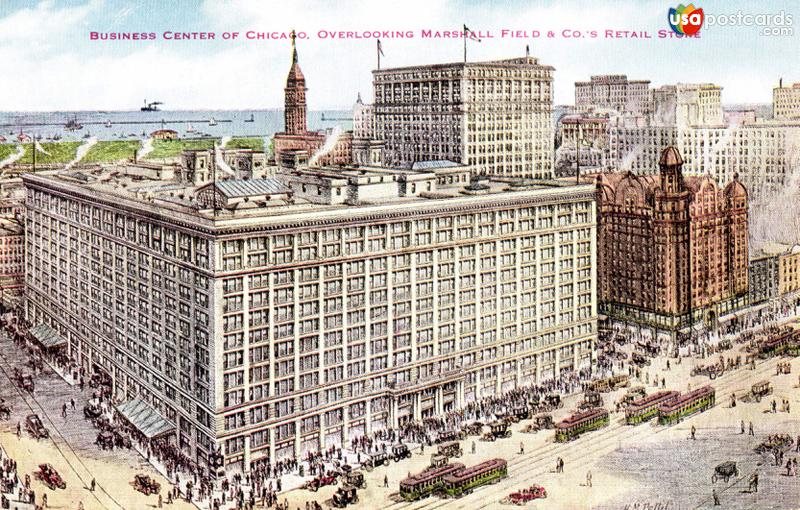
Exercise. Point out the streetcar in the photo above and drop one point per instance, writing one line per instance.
(465, 481)
(427, 482)
(644, 408)
(685, 405)
(784, 342)
(584, 421)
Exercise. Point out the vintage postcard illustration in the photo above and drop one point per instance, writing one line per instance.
(439, 254)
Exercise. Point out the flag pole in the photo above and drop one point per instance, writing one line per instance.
(378, 51)
(465, 44)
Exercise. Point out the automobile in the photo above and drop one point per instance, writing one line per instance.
(472, 429)
(525, 495)
(760, 389)
(375, 460)
(451, 449)
(5, 411)
(400, 451)
(725, 471)
(355, 479)
(145, 484)
(105, 440)
(320, 481)
(91, 411)
(497, 429)
(639, 359)
(631, 395)
(344, 496)
(591, 399)
(33, 424)
(50, 477)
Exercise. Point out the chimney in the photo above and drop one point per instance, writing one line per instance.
(780, 83)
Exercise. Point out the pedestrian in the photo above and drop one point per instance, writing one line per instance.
(72, 403)
(92, 484)
(742, 432)
(44, 500)
(521, 448)
(693, 432)
(750, 432)
(667, 364)
(588, 478)
(774, 405)
(385, 481)
(160, 501)
(80, 506)
(715, 496)
(473, 444)
(64, 410)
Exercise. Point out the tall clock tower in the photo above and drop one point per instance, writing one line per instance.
(294, 112)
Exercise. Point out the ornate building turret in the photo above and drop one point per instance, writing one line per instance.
(294, 113)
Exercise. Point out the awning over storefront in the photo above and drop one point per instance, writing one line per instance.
(47, 336)
(147, 420)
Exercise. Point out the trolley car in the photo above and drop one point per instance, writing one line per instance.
(427, 482)
(642, 409)
(467, 480)
(695, 401)
(584, 421)
(784, 342)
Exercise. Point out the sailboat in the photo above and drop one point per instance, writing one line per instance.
(212, 122)
(191, 129)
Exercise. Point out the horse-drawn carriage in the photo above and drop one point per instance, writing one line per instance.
(145, 484)
(725, 471)
(760, 389)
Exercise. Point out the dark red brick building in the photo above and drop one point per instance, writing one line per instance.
(668, 244)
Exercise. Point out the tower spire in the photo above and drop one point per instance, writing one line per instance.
(293, 36)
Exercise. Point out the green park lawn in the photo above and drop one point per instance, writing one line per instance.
(111, 151)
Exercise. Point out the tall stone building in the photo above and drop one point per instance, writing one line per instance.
(614, 92)
(671, 247)
(786, 102)
(296, 143)
(273, 317)
(495, 116)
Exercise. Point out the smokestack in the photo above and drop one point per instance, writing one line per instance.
(780, 83)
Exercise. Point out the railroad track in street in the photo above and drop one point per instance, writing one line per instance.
(588, 447)
(61, 444)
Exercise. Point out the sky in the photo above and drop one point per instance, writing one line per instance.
(50, 62)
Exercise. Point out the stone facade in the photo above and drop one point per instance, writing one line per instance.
(495, 116)
(614, 92)
(670, 245)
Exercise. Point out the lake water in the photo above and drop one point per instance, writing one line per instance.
(121, 125)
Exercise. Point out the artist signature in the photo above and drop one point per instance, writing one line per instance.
(648, 505)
